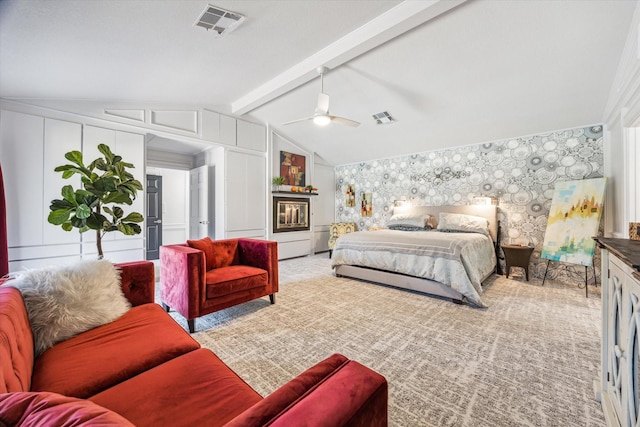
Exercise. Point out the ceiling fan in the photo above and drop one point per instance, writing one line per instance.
(321, 116)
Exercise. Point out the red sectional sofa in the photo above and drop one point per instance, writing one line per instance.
(144, 369)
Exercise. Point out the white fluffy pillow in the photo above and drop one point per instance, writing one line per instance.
(408, 221)
(462, 222)
(63, 301)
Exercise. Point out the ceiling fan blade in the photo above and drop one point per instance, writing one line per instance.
(323, 103)
(344, 121)
(297, 121)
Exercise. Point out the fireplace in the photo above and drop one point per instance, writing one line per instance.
(290, 214)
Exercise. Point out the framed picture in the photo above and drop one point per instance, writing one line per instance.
(290, 214)
(634, 230)
(574, 218)
(292, 168)
(350, 198)
(367, 206)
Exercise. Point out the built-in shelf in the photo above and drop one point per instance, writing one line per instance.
(297, 193)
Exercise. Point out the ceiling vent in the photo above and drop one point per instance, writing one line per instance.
(221, 21)
(383, 118)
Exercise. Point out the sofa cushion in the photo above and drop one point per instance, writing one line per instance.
(234, 278)
(47, 409)
(142, 338)
(206, 246)
(16, 338)
(64, 300)
(196, 389)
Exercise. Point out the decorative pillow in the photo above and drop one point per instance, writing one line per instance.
(205, 245)
(410, 220)
(45, 408)
(63, 301)
(406, 228)
(464, 223)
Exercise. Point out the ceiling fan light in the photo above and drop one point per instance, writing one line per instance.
(322, 120)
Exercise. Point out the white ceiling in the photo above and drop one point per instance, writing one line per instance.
(485, 70)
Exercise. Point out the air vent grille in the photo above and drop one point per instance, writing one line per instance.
(221, 21)
(383, 118)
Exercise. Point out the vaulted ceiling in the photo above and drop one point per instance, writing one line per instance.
(451, 72)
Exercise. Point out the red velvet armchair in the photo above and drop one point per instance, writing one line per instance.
(204, 276)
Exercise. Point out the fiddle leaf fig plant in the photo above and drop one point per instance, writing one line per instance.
(106, 184)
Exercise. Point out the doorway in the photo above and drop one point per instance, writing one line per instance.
(154, 216)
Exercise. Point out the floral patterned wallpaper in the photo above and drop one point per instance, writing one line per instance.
(520, 172)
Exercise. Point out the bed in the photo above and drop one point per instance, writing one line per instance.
(450, 264)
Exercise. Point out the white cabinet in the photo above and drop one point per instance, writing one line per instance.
(251, 136)
(323, 205)
(30, 148)
(619, 383)
(227, 130)
(117, 246)
(210, 126)
(245, 190)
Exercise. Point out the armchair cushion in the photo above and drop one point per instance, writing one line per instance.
(227, 280)
(206, 246)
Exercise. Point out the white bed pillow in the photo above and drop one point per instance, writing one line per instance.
(409, 221)
(63, 301)
(463, 223)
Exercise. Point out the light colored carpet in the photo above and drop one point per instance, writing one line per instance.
(527, 360)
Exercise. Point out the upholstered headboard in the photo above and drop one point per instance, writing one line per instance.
(489, 212)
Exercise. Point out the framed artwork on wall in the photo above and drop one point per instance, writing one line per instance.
(574, 218)
(350, 198)
(367, 204)
(292, 168)
(634, 230)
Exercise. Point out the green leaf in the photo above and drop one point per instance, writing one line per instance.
(97, 221)
(69, 195)
(118, 212)
(106, 152)
(67, 226)
(133, 217)
(117, 198)
(83, 212)
(106, 184)
(59, 217)
(67, 174)
(100, 164)
(75, 157)
(129, 229)
(58, 204)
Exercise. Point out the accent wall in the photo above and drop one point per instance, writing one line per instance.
(520, 172)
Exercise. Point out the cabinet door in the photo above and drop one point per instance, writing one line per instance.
(616, 334)
(251, 136)
(228, 130)
(60, 137)
(245, 191)
(631, 379)
(22, 156)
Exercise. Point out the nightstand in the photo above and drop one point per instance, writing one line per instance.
(517, 256)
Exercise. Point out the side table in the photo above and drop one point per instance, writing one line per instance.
(517, 256)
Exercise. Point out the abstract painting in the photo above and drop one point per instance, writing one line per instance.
(367, 205)
(292, 168)
(574, 218)
(350, 200)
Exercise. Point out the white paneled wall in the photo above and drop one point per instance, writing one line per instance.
(175, 204)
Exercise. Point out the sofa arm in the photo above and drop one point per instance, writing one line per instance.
(261, 254)
(182, 271)
(138, 281)
(334, 392)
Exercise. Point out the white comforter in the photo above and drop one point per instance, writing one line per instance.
(458, 260)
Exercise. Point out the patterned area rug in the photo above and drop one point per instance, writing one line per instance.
(528, 360)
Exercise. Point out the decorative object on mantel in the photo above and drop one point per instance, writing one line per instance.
(634, 230)
(277, 182)
(310, 189)
(574, 218)
(82, 208)
(292, 168)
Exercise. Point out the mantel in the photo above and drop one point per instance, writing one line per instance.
(295, 193)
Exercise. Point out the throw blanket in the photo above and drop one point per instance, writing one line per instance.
(458, 260)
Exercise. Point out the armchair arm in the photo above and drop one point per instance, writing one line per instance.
(182, 270)
(262, 254)
(335, 392)
(138, 281)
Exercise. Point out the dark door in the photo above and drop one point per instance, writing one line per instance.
(154, 216)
